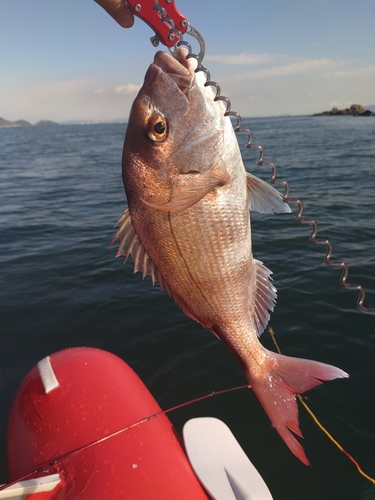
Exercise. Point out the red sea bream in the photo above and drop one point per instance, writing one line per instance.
(188, 227)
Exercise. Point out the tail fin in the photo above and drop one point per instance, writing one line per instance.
(282, 377)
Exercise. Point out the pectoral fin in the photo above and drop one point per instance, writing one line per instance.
(192, 188)
(131, 245)
(264, 198)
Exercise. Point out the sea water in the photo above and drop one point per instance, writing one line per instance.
(61, 194)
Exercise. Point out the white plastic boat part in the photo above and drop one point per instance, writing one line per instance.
(220, 463)
(19, 491)
(47, 375)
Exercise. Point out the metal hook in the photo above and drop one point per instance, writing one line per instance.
(202, 46)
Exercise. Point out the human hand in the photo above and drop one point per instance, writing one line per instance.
(119, 10)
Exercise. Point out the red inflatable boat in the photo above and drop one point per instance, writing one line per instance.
(79, 430)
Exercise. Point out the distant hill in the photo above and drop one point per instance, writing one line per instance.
(94, 122)
(18, 123)
(45, 123)
(24, 123)
(371, 108)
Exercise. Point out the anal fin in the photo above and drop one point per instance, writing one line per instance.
(265, 296)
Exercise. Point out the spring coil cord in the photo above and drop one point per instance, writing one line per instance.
(238, 128)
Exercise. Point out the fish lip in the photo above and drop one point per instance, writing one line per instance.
(180, 70)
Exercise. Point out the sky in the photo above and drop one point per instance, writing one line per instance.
(69, 60)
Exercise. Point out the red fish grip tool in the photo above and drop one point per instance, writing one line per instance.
(162, 16)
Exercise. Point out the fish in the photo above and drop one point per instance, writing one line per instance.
(187, 226)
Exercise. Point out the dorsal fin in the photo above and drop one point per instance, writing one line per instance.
(265, 296)
(131, 245)
(264, 198)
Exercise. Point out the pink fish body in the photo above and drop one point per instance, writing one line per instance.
(188, 227)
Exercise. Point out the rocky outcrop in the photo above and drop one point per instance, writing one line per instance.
(354, 110)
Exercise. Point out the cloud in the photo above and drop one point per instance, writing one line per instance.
(281, 65)
(76, 99)
(295, 68)
(129, 88)
(362, 71)
(244, 59)
(335, 104)
(54, 90)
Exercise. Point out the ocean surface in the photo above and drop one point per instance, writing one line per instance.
(61, 194)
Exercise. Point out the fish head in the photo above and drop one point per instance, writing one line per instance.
(174, 128)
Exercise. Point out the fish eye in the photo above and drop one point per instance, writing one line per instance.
(157, 128)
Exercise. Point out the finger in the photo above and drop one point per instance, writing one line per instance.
(119, 10)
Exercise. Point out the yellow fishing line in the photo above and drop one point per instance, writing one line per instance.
(321, 427)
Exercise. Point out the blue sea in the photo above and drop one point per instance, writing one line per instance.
(61, 194)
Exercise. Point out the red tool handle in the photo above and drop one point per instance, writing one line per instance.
(158, 15)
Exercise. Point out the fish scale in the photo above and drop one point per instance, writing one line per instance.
(213, 264)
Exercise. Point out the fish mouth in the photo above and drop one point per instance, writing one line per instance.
(180, 70)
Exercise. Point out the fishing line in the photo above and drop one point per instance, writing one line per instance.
(45, 468)
(318, 423)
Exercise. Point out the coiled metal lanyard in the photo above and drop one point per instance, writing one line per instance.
(169, 26)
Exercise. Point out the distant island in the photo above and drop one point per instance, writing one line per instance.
(354, 110)
(45, 123)
(18, 123)
(24, 123)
